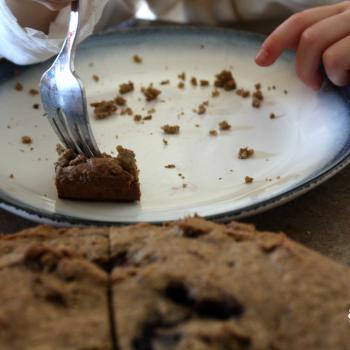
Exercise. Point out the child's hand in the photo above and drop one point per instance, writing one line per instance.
(319, 35)
(54, 5)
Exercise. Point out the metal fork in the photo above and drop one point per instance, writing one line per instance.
(63, 96)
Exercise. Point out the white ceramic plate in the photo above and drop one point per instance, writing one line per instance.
(306, 144)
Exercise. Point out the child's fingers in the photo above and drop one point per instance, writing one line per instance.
(314, 41)
(287, 35)
(336, 62)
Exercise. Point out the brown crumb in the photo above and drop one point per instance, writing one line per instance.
(165, 142)
(26, 140)
(272, 116)
(182, 76)
(184, 185)
(258, 98)
(256, 103)
(225, 80)
(126, 88)
(197, 126)
(137, 118)
(181, 85)
(204, 83)
(137, 59)
(127, 111)
(170, 166)
(19, 87)
(224, 125)
(213, 133)
(202, 108)
(171, 129)
(243, 93)
(96, 78)
(285, 92)
(150, 93)
(36, 106)
(274, 87)
(194, 81)
(33, 92)
(148, 117)
(165, 82)
(120, 101)
(215, 93)
(12, 176)
(258, 86)
(245, 153)
(104, 109)
(248, 180)
(151, 111)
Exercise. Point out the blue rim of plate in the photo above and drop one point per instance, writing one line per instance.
(338, 163)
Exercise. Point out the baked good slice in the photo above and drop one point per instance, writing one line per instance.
(198, 285)
(53, 292)
(98, 179)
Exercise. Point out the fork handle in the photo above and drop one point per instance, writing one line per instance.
(67, 53)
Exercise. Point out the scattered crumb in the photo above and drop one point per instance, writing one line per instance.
(245, 153)
(181, 85)
(170, 166)
(36, 106)
(213, 133)
(104, 109)
(96, 78)
(182, 76)
(285, 92)
(248, 180)
(26, 140)
(120, 101)
(274, 87)
(272, 116)
(151, 111)
(33, 92)
(165, 82)
(184, 185)
(137, 118)
(197, 126)
(278, 178)
(202, 108)
(220, 178)
(258, 86)
(215, 93)
(19, 87)
(8, 126)
(12, 176)
(137, 59)
(224, 125)
(194, 81)
(204, 83)
(225, 80)
(127, 111)
(243, 93)
(171, 129)
(258, 98)
(126, 88)
(31, 149)
(165, 142)
(148, 117)
(150, 93)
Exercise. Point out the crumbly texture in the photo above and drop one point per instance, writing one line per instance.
(194, 81)
(120, 101)
(36, 106)
(96, 78)
(98, 179)
(204, 83)
(19, 87)
(33, 92)
(181, 85)
(198, 285)
(150, 93)
(243, 93)
(170, 166)
(171, 129)
(224, 125)
(50, 281)
(248, 180)
(126, 88)
(225, 80)
(213, 133)
(26, 140)
(137, 59)
(192, 284)
(246, 153)
(104, 109)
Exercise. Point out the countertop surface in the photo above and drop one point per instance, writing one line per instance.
(320, 219)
